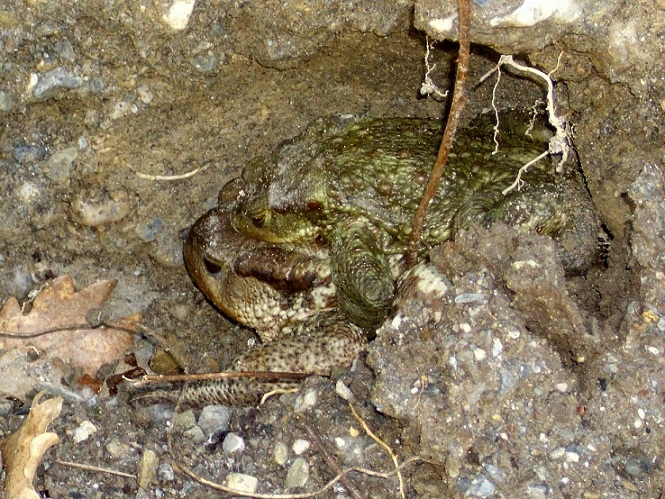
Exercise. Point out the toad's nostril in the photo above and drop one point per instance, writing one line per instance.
(211, 267)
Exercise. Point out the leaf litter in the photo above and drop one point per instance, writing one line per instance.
(30, 360)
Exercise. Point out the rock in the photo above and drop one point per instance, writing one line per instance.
(281, 453)
(300, 446)
(214, 419)
(178, 14)
(83, 432)
(233, 444)
(6, 103)
(242, 482)
(147, 468)
(28, 153)
(59, 165)
(100, 207)
(165, 472)
(298, 474)
(51, 82)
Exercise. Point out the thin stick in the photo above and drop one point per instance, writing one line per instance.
(217, 486)
(96, 469)
(332, 462)
(387, 448)
(171, 177)
(456, 106)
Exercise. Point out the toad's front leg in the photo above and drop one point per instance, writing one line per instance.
(361, 274)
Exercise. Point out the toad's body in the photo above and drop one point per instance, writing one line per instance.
(342, 197)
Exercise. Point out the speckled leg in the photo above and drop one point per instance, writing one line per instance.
(362, 275)
(316, 346)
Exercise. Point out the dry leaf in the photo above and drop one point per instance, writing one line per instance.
(57, 304)
(24, 449)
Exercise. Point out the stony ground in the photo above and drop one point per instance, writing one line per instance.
(526, 379)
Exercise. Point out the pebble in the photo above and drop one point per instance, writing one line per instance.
(469, 297)
(280, 453)
(195, 434)
(507, 381)
(300, 446)
(184, 419)
(177, 17)
(298, 474)
(636, 467)
(214, 419)
(28, 153)
(205, 63)
(147, 468)
(29, 192)
(306, 401)
(83, 432)
(118, 450)
(538, 490)
(242, 482)
(165, 472)
(233, 444)
(6, 104)
(480, 487)
(148, 232)
(95, 208)
(6, 407)
(59, 165)
(52, 81)
(344, 391)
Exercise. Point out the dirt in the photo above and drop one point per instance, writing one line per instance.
(527, 380)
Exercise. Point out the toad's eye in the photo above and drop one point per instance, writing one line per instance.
(211, 267)
(258, 219)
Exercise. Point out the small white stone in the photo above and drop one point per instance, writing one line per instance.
(340, 442)
(306, 401)
(479, 354)
(178, 15)
(465, 327)
(300, 446)
(83, 432)
(525, 263)
(652, 350)
(562, 387)
(298, 474)
(281, 453)
(572, 457)
(240, 481)
(497, 347)
(557, 453)
(28, 192)
(641, 413)
(34, 79)
(233, 444)
(343, 391)
(443, 25)
(638, 423)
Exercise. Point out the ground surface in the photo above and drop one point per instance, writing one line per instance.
(525, 380)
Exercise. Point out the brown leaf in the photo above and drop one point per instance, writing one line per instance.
(24, 449)
(58, 304)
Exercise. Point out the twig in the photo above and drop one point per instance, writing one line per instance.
(387, 448)
(199, 479)
(456, 106)
(332, 462)
(97, 469)
(171, 177)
